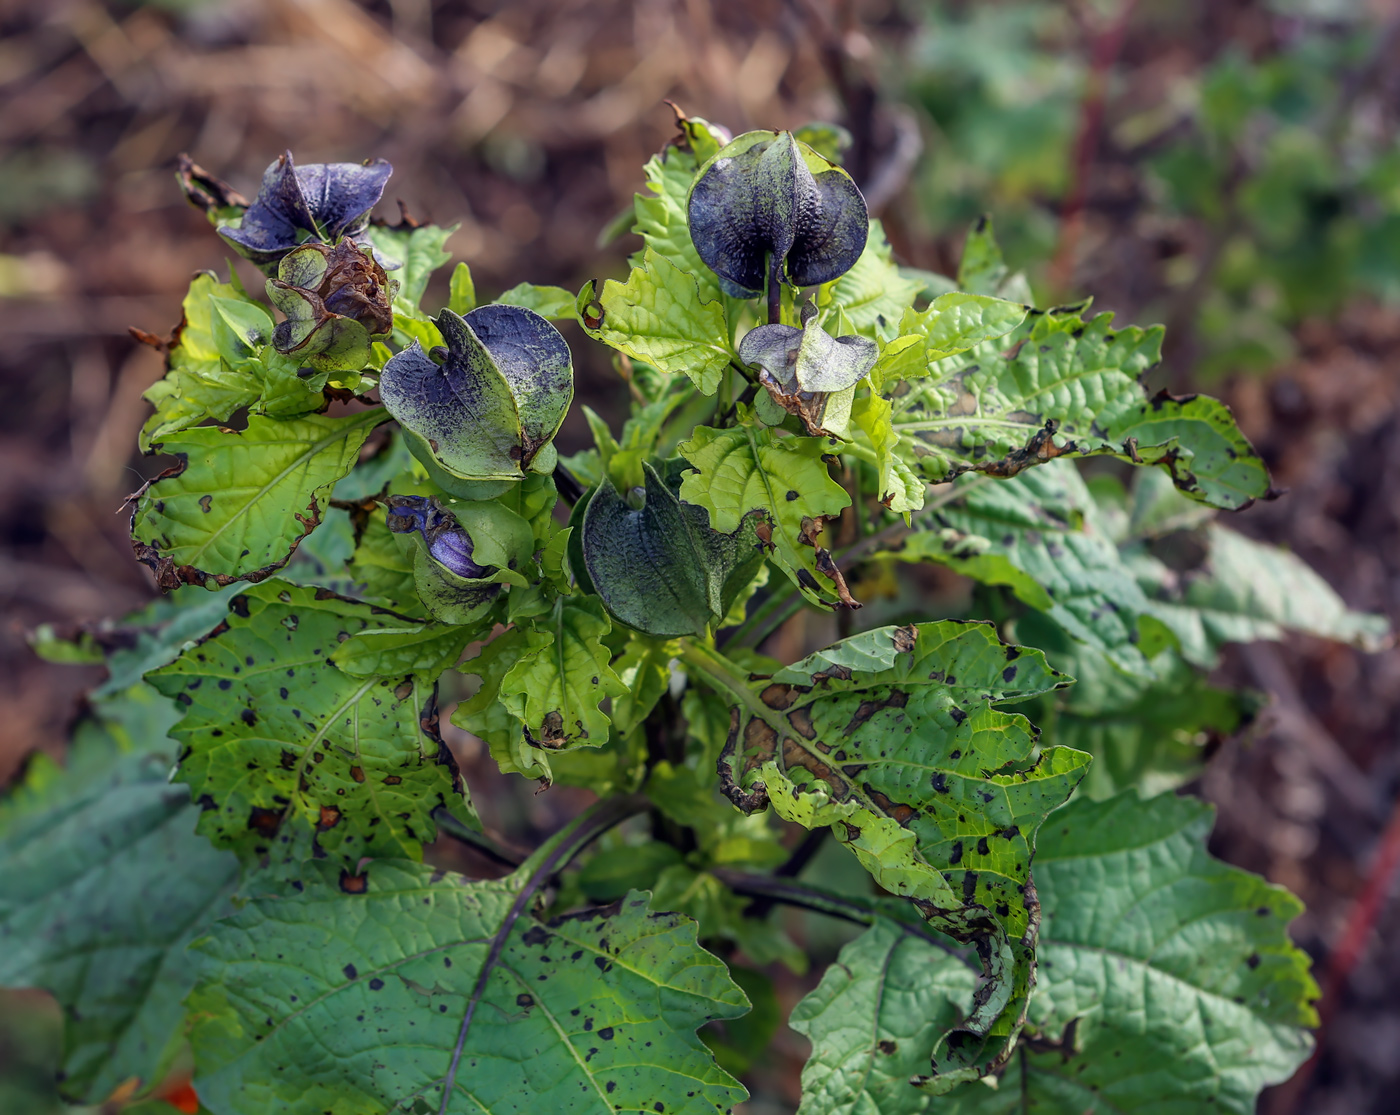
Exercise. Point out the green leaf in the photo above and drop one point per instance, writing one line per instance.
(662, 221)
(100, 892)
(662, 569)
(198, 383)
(999, 412)
(873, 293)
(873, 1022)
(1167, 983)
(746, 469)
(420, 252)
(236, 505)
(660, 317)
(900, 488)
(984, 271)
(1249, 590)
(562, 675)
(283, 744)
(486, 717)
(551, 302)
(952, 323)
(322, 1000)
(461, 296)
(1148, 732)
(890, 737)
(1038, 534)
(426, 650)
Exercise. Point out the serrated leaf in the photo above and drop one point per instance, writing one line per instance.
(890, 737)
(1144, 731)
(281, 743)
(900, 488)
(1167, 983)
(362, 1009)
(746, 469)
(198, 384)
(419, 252)
(562, 675)
(999, 412)
(662, 221)
(1249, 590)
(551, 302)
(238, 503)
(100, 892)
(660, 317)
(874, 1019)
(1037, 533)
(983, 270)
(487, 718)
(952, 323)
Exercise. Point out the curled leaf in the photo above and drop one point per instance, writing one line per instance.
(489, 410)
(768, 205)
(319, 201)
(335, 300)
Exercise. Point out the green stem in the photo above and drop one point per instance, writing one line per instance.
(548, 860)
(716, 669)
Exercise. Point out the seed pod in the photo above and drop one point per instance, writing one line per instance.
(803, 368)
(768, 207)
(662, 569)
(336, 300)
(492, 405)
(320, 201)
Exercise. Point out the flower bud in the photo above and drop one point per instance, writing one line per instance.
(447, 543)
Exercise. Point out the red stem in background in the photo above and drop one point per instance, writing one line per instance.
(1107, 45)
(1346, 954)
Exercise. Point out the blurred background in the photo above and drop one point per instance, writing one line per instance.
(1228, 167)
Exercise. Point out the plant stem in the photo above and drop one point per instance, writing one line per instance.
(449, 825)
(547, 861)
(785, 892)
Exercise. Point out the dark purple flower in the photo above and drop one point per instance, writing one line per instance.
(319, 201)
(447, 542)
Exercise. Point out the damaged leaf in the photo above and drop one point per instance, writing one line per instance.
(747, 469)
(236, 504)
(281, 745)
(590, 1012)
(1167, 983)
(891, 738)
